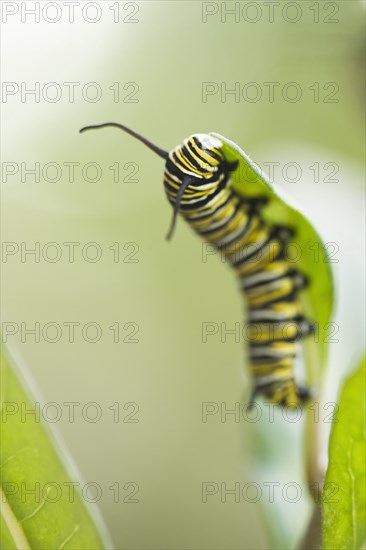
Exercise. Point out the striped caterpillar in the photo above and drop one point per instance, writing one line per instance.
(198, 185)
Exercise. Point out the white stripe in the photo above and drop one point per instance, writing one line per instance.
(263, 276)
(269, 351)
(212, 208)
(269, 314)
(231, 236)
(254, 247)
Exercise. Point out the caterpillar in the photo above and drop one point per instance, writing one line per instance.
(198, 185)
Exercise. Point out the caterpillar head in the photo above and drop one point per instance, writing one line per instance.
(199, 159)
(204, 152)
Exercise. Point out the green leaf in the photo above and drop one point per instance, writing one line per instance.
(344, 490)
(306, 249)
(38, 509)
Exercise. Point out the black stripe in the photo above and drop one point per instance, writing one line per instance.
(189, 156)
(283, 234)
(302, 332)
(275, 383)
(237, 238)
(224, 223)
(273, 319)
(205, 150)
(290, 273)
(248, 257)
(213, 212)
(205, 200)
(268, 356)
(289, 298)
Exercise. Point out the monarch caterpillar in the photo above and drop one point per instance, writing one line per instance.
(198, 185)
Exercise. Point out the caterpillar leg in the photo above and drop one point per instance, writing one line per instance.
(286, 394)
(232, 166)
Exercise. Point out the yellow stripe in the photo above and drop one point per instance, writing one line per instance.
(193, 154)
(292, 309)
(185, 162)
(284, 347)
(249, 235)
(267, 332)
(268, 253)
(282, 372)
(216, 217)
(279, 266)
(272, 291)
(228, 228)
(203, 155)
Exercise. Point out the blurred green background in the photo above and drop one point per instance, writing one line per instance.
(167, 51)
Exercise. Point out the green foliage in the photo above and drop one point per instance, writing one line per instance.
(308, 251)
(344, 512)
(37, 509)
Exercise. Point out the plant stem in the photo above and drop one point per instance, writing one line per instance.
(312, 537)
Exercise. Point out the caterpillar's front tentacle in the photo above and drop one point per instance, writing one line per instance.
(187, 180)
